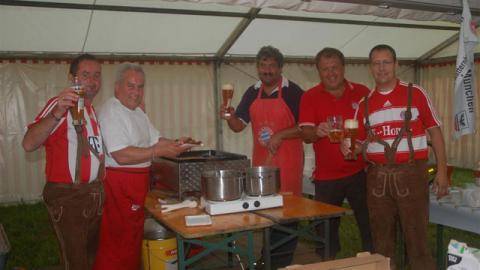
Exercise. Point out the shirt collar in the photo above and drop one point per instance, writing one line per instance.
(284, 84)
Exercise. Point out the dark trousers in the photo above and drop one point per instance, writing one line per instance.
(75, 213)
(287, 250)
(399, 192)
(334, 192)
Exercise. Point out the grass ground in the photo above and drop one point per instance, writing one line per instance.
(33, 243)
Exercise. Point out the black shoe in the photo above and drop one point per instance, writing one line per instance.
(258, 265)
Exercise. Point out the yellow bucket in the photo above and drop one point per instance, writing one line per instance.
(160, 254)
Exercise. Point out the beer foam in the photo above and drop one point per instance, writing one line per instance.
(227, 86)
(351, 123)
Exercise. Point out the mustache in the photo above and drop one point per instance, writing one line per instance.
(267, 74)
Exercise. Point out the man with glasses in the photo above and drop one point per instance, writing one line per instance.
(393, 124)
(334, 177)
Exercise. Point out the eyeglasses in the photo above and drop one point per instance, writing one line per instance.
(382, 63)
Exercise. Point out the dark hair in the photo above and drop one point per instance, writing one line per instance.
(77, 60)
(383, 47)
(270, 52)
(328, 52)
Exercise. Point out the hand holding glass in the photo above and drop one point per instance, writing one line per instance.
(77, 110)
(335, 128)
(350, 135)
(227, 95)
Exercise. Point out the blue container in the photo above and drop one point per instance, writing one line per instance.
(4, 248)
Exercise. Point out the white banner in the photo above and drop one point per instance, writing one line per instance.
(464, 106)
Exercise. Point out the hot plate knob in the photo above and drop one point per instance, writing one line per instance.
(256, 203)
(245, 205)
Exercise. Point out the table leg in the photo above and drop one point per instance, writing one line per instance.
(267, 249)
(440, 257)
(327, 238)
(230, 254)
(180, 252)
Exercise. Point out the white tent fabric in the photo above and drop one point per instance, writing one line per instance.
(181, 96)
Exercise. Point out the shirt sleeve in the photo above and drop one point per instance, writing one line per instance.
(292, 97)
(307, 111)
(113, 129)
(154, 133)
(45, 111)
(427, 113)
(243, 109)
(359, 115)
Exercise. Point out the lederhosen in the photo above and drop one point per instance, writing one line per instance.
(75, 211)
(398, 191)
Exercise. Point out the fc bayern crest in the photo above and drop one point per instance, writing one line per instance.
(354, 105)
(264, 135)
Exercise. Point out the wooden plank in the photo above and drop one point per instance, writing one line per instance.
(221, 224)
(296, 208)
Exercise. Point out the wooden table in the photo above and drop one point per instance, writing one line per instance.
(296, 208)
(236, 225)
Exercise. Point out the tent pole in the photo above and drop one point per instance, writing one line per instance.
(218, 122)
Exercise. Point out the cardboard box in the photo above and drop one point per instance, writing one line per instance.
(363, 261)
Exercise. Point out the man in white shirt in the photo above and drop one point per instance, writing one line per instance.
(131, 142)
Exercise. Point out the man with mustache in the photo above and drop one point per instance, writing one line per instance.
(272, 106)
(74, 165)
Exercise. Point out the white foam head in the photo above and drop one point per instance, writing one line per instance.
(227, 86)
(351, 123)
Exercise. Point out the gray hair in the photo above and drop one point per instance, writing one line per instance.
(124, 67)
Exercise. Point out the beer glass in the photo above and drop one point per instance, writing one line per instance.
(335, 128)
(227, 95)
(77, 110)
(350, 136)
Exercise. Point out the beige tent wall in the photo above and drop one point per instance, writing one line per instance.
(438, 80)
(180, 101)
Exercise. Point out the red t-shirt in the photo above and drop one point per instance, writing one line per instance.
(315, 106)
(61, 146)
(386, 115)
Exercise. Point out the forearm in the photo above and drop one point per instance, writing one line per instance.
(290, 133)
(39, 132)
(308, 134)
(438, 145)
(235, 123)
(133, 155)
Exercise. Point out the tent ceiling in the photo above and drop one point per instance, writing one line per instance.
(185, 28)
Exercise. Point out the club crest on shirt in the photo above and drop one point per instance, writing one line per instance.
(355, 105)
(94, 142)
(264, 135)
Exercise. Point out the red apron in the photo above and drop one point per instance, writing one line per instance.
(268, 116)
(121, 232)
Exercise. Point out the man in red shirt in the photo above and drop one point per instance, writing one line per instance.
(74, 165)
(334, 177)
(393, 123)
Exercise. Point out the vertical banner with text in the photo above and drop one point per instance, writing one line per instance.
(464, 106)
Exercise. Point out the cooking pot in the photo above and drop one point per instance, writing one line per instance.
(262, 181)
(154, 231)
(222, 185)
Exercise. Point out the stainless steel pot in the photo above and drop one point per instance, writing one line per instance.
(262, 181)
(222, 185)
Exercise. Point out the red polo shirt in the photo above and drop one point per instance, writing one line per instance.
(315, 106)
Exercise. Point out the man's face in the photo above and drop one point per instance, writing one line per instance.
(129, 90)
(89, 75)
(331, 72)
(268, 71)
(383, 67)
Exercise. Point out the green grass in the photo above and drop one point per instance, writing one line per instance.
(33, 243)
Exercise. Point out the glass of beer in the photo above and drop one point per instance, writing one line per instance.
(350, 136)
(335, 128)
(227, 95)
(77, 110)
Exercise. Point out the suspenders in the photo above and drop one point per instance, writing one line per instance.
(390, 151)
(82, 150)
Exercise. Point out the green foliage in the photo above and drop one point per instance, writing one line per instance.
(32, 239)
